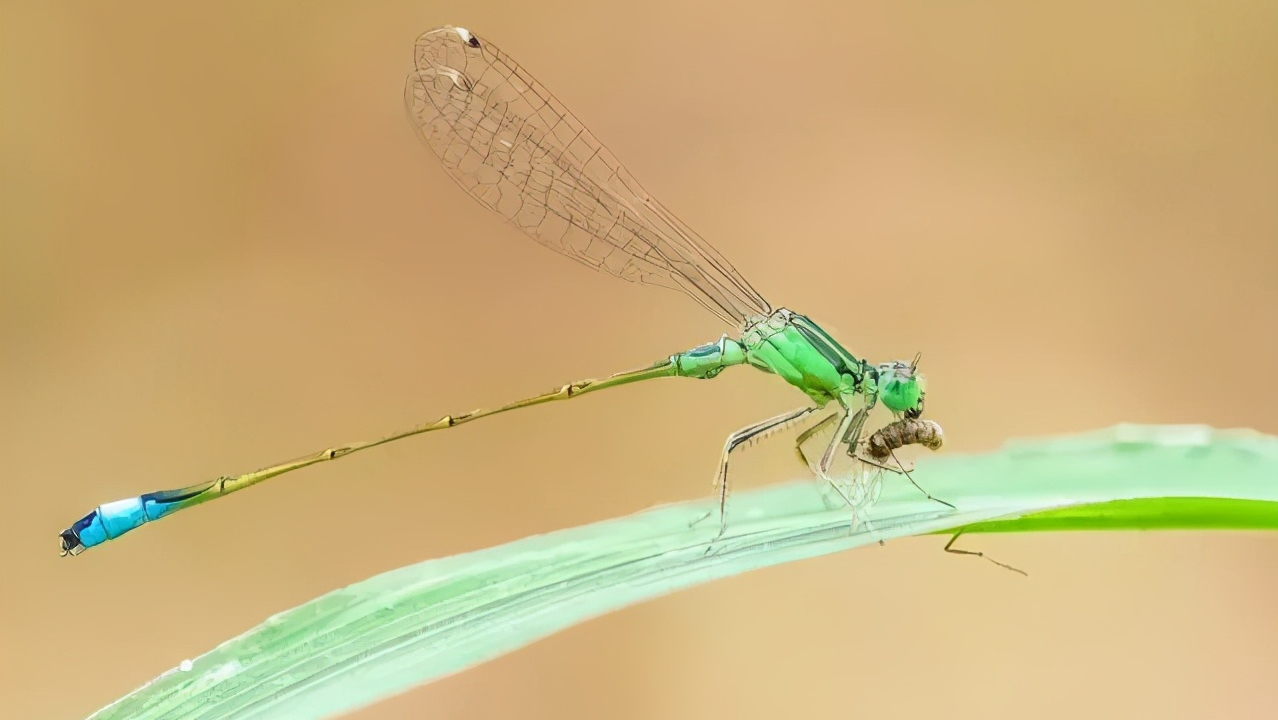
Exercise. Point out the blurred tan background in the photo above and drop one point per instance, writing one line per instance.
(223, 247)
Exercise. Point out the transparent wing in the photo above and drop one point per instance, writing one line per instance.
(518, 151)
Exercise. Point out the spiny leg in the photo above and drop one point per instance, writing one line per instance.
(949, 548)
(807, 435)
(802, 438)
(734, 441)
(847, 433)
(849, 426)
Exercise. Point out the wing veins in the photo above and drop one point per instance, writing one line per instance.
(517, 150)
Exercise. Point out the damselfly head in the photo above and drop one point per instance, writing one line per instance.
(901, 387)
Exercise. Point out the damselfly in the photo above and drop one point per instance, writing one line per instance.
(518, 151)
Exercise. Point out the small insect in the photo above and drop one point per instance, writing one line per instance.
(898, 434)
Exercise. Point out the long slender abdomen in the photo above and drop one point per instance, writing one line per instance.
(111, 520)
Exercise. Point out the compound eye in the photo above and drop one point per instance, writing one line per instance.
(915, 412)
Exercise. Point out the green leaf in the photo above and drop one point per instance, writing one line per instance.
(409, 626)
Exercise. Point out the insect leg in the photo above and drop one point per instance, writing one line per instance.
(735, 441)
(799, 441)
(949, 548)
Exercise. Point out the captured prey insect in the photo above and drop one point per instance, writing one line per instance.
(907, 431)
(910, 430)
(518, 151)
(884, 442)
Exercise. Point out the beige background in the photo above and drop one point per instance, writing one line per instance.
(224, 247)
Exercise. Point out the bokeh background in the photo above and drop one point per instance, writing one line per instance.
(224, 247)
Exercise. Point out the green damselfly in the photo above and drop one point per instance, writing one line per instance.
(518, 151)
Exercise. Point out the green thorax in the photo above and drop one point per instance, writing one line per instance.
(805, 356)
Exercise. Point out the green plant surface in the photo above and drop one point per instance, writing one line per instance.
(419, 623)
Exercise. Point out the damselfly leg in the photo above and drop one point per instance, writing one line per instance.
(736, 440)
